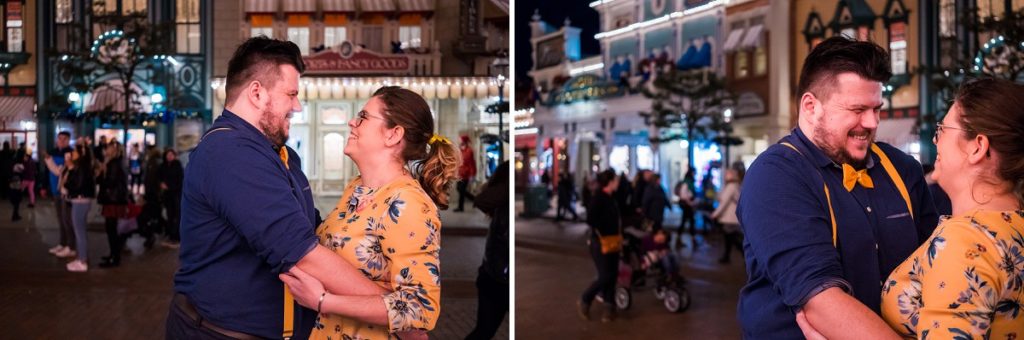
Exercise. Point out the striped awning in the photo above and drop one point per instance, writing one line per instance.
(111, 98)
(377, 5)
(16, 109)
(300, 6)
(336, 6)
(416, 5)
(260, 6)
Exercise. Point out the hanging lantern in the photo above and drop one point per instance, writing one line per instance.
(324, 87)
(364, 90)
(336, 91)
(481, 90)
(492, 89)
(312, 92)
(429, 90)
(456, 89)
(443, 89)
(351, 89)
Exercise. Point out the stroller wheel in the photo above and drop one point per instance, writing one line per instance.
(623, 298)
(676, 300)
(659, 291)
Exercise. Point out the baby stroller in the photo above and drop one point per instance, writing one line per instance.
(644, 258)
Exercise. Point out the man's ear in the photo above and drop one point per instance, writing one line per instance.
(808, 102)
(254, 93)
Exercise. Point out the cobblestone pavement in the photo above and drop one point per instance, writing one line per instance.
(553, 268)
(39, 299)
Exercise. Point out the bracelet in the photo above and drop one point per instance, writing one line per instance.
(321, 303)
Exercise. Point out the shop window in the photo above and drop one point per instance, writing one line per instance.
(373, 38)
(760, 61)
(335, 35)
(264, 31)
(300, 36)
(742, 65)
(410, 36)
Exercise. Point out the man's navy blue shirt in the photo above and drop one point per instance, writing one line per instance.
(245, 218)
(788, 246)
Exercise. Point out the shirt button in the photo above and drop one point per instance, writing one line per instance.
(869, 209)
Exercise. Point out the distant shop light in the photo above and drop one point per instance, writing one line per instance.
(683, 144)
(585, 69)
(526, 131)
(74, 97)
(28, 125)
(157, 98)
(674, 15)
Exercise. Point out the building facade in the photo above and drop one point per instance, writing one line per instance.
(162, 49)
(449, 51)
(18, 58)
(587, 113)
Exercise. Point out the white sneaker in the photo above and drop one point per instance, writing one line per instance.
(77, 266)
(66, 252)
(56, 249)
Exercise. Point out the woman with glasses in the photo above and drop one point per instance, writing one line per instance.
(386, 223)
(967, 280)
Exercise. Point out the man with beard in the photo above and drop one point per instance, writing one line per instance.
(827, 212)
(247, 212)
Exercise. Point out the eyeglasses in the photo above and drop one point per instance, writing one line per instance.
(938, 130)
(363, 115)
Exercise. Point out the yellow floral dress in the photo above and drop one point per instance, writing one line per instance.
(965, 282)
(392, 234)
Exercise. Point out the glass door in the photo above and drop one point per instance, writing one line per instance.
(333, 167)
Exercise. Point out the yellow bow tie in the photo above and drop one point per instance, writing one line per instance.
(283, 152)
(852, 177)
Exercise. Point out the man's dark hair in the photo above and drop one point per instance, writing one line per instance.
(258, 59)
(64, 133)
(840, 55)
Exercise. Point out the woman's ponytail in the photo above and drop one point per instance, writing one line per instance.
(439, 170)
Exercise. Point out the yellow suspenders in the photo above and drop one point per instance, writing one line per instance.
(289, 305)
(889, 169)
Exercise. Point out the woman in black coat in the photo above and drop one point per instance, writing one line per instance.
(114, 197)
(604, 221)
(172, 174)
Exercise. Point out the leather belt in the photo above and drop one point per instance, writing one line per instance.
(182, 302)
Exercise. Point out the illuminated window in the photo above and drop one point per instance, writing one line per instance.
(898, 47)
(129, 7)
(264, 31)
(760, 61)
(742, 64)
(300, 36)
(410, 36)
(334, 35)
(187, 22)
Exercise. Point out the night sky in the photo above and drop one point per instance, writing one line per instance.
(553, 12)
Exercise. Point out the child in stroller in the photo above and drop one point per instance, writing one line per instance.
(646, 254)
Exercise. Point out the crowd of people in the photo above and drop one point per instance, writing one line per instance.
(78, 176)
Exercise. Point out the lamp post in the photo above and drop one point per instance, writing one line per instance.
(501, 122)
(500, 66)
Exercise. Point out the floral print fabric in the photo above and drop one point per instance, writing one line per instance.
(965, 282)
(392, 234)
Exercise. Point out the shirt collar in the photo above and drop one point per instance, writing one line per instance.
(818, 157)
(229, 119)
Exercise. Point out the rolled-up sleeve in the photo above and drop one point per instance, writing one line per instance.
(413, 243)
(785, 218)
(255, 196)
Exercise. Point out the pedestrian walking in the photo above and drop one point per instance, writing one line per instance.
(492, 279)
(15, 188)
(654, 203)
(725, 213)
(566, 198)
(605, 243)
(28, 177)
(466, 172)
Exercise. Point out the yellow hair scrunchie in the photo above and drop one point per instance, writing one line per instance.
(438, 138)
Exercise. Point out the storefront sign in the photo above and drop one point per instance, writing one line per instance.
(358, 62)
(749, 104)
(583, 88)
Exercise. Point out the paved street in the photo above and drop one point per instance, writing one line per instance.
(39, 299)
(553, 268)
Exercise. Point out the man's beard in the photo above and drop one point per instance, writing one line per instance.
(837, 153)
(276, 133)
